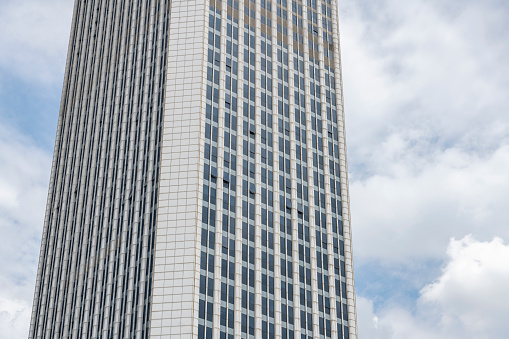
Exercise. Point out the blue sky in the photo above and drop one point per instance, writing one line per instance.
(426, 86)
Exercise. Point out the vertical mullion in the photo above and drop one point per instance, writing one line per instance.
(126, 163)
(275, 147)
(311, 198)
(293, 176)
(326, 170)
(116, 166)
(258, 207)
(138, 163)
(98, 149)
(239, 198)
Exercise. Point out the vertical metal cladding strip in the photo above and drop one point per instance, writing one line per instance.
(122, 183)
(238, 212)
(60, 204)
(174, 298)
(89, 142)
(100, 235)
(110, 242)
(311, 198)
(151, 120)
(327, 189)
(293, 176)
(53, 240)
(64, 180)
(71, 176)
(149, 124)
(84, 142)
(100, 227)
(258, 178)
(116, 170)
(129, 233)
(54, 178)
(345, 197)
(277, 225)
(96, 145)
(61, 293)
(140, 123)
(108, 169)
(130, 112)
(219, 184)
(76, 193)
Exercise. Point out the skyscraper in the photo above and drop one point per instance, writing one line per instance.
(199, 181)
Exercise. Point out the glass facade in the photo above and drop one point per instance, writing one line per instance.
(281, 129)
(199, 185)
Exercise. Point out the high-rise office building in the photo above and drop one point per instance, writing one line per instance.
(199, 181)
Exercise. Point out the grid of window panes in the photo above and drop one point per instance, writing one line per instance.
(248, 184)
(328, 42)
(316, 10)
(308, 158)
(319, 198)
(337, 224)
(209, 229)
(267, 190)
(302, 195)
(229, 181)
(285, 191)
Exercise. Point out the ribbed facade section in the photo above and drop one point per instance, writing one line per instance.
(199, 186)
(96, 263)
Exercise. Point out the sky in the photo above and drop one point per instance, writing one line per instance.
(426, 90)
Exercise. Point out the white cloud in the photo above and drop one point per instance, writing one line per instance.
(33, 40)
(14, 317)
(411, 213)
(473, 289)
(468, 300)
(433, 73)
(24, 176)
(426, 86)
(426, 104)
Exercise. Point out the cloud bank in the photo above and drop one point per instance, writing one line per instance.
(410, 215)
(426, 86)
(468, 299)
